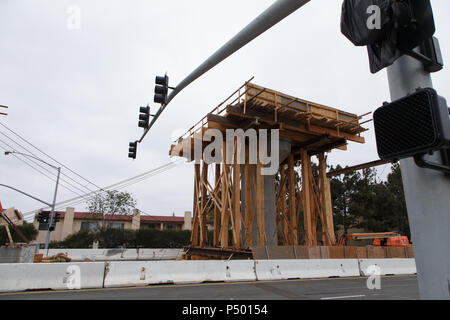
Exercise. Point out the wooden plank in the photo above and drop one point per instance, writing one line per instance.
(376, 252)
(301, 252)
(351, 252)
(293, 125)
(314, 252)
(259, 253)
(336, 252)
(281, 252)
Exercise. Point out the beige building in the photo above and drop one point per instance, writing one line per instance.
(13, 214)
(72, 222)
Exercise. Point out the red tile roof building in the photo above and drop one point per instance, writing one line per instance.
(72, 222)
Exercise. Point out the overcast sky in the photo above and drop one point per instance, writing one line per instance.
(75, 92)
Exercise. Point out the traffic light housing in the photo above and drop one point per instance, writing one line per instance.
(161, 89)
(43, 219)
(402, 26)
(144, 117)
(132, 150)
(414, 125)
(57, 217)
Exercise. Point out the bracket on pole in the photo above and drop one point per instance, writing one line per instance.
(444, 167)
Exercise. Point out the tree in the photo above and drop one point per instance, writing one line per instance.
(343, 190)
(111, 202)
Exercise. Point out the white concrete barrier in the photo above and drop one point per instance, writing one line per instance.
(305, 268)
(57, 276)
(159, 254)
(135, 273)
(387, 266)
(117, 254)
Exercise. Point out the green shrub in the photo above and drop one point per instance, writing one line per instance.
(28, 230)
(114, 238)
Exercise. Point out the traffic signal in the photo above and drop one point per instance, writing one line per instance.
(57, 217)
(132, 150)
(144, 117)
(414, 125)
(161, 89)
(389, 28)
(43, 219)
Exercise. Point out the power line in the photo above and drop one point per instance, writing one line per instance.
(29, 151)
(64, 166)
(41, 166)
(118, 185)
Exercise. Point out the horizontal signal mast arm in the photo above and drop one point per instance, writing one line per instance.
(270, 17)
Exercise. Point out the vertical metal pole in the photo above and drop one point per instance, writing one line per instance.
(52, 213)
(427, 196)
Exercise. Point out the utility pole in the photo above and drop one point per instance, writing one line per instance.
(54, 195)
(427, 195)
(52, 213)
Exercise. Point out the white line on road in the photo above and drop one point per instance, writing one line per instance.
(343, 297)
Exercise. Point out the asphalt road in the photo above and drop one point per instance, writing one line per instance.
(392, 288)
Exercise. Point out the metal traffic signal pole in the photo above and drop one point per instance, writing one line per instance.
(427, 194)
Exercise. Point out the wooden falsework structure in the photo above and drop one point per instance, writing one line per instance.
(233, 194)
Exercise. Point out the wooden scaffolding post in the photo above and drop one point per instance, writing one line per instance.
(204, 204)
(325, 193)
(216, 239)
(249, 199)
(225, 193)
(194, 234)
(292, 203)
(314, 204)
(260, 204)
(306, 195)
(283, 207)
(237, 196)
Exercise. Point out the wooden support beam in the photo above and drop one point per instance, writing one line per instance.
(202, 216)
(260, 205)
(283, 207)
(306, 195)
(357, 167)
(216, 207)
(196, 208)
(225, 211)
(325, 193)
(249, 199)
(237, 196)
(292, 202)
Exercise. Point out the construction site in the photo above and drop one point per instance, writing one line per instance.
(283, 215)
(271, 196)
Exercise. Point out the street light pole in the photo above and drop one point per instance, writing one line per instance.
(54, 195)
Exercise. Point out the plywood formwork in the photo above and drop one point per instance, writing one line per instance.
(235, 197)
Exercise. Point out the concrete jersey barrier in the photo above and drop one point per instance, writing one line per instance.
(117, 254)
(136, 273)
(305, 268)
(387, 266)
(56, 276)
